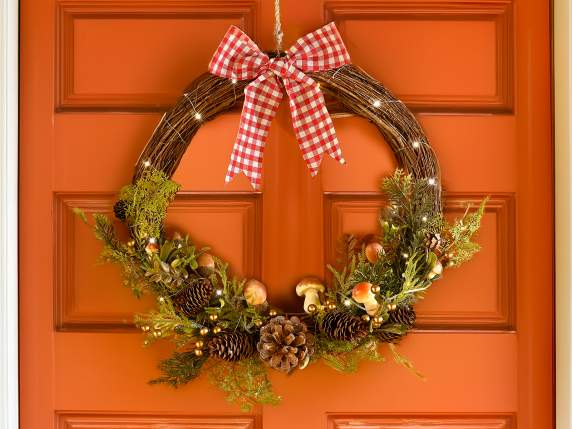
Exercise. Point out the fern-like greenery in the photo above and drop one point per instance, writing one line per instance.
(245, 382)
(402, 272)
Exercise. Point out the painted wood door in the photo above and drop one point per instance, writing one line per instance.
(96, 76)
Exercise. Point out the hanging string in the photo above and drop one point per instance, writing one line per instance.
(278, 34)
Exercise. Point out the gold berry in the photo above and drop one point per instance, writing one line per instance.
(217, 329)
(272, 313)
(145, 328)
(376, 325)
(204, 331)
(258, 323)
(312, 308)
(331, 306)
(365, 318)
(375, 288)
(199, 344)
(378, 320)
(198, 352)
(213, 317)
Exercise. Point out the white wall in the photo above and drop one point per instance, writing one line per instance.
(8, 214)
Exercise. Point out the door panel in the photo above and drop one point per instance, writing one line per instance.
(97, 76)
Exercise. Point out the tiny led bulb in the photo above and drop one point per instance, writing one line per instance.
(198, 116)
(416, 144)
(219, 292)
(376, 103)
(347, 302)
(147, 163)
(424, 218)
(234, 81)
(432, 181)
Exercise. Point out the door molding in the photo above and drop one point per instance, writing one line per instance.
(562, 45)
(8, 214)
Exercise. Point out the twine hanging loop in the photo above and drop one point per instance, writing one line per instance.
(278, 34)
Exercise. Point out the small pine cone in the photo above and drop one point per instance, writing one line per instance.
(191, 300)
(285, 343)
(341, 325)
(231, 346)
(119, 208)
(433, 242)
(388, 337)
(402, 315)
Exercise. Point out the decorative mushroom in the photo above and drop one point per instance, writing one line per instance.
(254, 292)
(362, 293)
(309, 287)
(436, 271)
(372, 251)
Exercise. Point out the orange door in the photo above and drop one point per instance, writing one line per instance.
(96, 78)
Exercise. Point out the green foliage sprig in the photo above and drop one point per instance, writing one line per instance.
(416, 241)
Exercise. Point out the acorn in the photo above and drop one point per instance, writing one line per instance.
(206, 263)
(372, 251)
(254, 292)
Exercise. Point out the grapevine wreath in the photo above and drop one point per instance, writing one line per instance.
(224, 325)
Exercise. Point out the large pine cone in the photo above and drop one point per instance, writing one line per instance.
(341, 325)
(285, 343)
(231, 346)
(401, 316)
(194, 298)
(119, 209)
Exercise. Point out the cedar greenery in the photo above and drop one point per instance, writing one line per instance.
(404, 270)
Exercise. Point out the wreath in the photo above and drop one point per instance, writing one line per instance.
(224, 325)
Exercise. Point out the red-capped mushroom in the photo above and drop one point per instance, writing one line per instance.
(362, 294)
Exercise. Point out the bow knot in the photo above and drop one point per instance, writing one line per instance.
(238, 57)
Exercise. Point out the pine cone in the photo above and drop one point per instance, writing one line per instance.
(231, 346)
(191, 300)
(341, 325)
(433, 242)
(401, 316)
(285, 343)
(119, 208)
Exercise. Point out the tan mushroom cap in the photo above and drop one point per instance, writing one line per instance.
(308, 283)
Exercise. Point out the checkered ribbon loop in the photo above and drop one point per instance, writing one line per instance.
(239, 58)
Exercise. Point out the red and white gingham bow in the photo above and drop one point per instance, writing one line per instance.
(238, 58)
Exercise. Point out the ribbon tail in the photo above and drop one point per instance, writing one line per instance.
(312, 123)
(261, 100)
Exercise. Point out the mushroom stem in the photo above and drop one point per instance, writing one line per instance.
(311, 297)
(371, 306)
